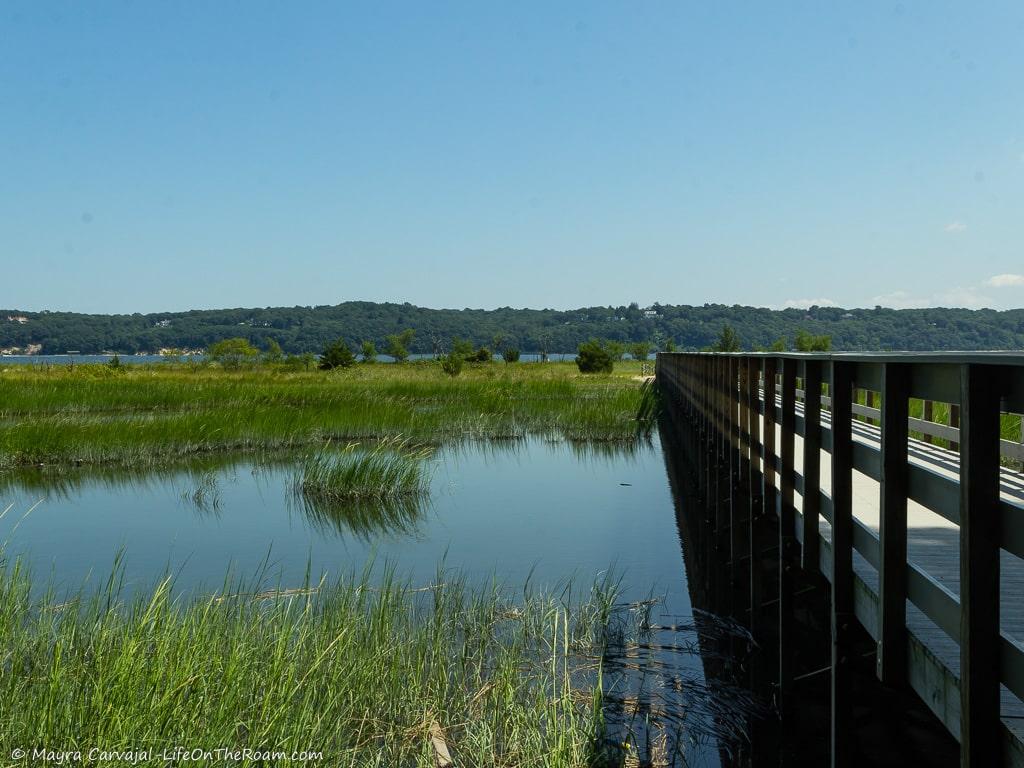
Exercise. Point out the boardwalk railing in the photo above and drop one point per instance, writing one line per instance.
(809, 439)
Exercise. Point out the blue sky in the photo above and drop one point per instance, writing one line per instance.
(161, 156)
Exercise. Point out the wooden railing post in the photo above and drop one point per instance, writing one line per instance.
(926, 415)
(954, 421)
(980, 728)
(788, 549)
(810, 554)
(770, 480)
(735, 447)
(892, 645)
(842, 564)
(755, 483)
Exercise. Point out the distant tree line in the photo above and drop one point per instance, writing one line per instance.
(370, 327)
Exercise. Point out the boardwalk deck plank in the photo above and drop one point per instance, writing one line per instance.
(933, 544)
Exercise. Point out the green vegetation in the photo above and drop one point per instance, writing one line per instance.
(595, 357)
(806, 342)
(397, 344)
(727, 341)
(510, 354)
(464, 350)
(369, 673)
(369, 352)
(274, 353)
(388, 470)
(639, 350)
(308, 329)
(616, 349)
(146, 415)
(452, 364)
(336, 355)
(233, 353)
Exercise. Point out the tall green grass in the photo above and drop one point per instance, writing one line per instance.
(366, 491)
(147, 416)
(364, 672)
(388, 470)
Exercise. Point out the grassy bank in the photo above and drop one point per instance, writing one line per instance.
(144, 415)
(366, 674)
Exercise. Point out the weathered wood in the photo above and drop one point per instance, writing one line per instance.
(927, 415)
(892, 647)
(735, 441)
(755, 483)
(788, 550)
(953, 654)
(770, 437)
(842, 565)
(811, 466)
(979, 567)
(954, 422)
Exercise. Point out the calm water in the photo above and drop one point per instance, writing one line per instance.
(547, 511)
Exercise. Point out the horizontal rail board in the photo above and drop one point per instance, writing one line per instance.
(927, 477)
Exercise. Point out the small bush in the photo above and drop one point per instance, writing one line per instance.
(482, 355)
(510, 354)
(369, 352)
(451, 364)
(233, 353)
(639, 350)
(397, 344)
(593, 357)
(336, 355)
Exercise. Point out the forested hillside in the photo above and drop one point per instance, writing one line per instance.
(307, 329)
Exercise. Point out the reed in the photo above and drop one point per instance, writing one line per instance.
(389, 470)
(369, 673)
(148, 416)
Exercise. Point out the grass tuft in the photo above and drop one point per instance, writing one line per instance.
(389, 470)
(364, 672)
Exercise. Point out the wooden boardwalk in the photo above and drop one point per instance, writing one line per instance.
(943, 530)
(933, 544)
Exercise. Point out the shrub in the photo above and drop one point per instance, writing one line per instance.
(462, 348)
(616, 349)
(451, 364)
(397, 345)
(593, 357)
(301, 362)
(369, 351)
(639, 350)
(336, 355)
(114, 363)
(482, 355)
(233, 353)
(510, 354)
(806, 342)
(727, 341)
(274, 353)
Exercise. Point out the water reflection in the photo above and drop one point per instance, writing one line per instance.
(364, 518)
(524, 511)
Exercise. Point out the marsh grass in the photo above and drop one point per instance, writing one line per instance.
(365, 490)
(147, 416)
(361, 670)
(388, 470)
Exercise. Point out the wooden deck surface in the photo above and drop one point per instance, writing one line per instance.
(934, 546)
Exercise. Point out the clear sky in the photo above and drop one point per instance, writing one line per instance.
(161, 156)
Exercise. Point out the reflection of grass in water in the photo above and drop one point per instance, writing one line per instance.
(367, 672)
(205, 496)
(365, 517)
